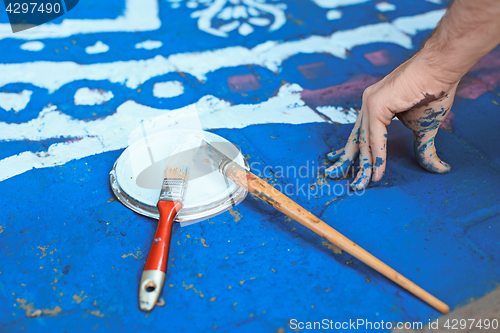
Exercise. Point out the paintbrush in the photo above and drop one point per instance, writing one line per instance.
(262, 190)
(170, 203)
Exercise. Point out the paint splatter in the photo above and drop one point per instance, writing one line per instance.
(78, 298)
(31, 311)
(44, 249)
(204, 242)
(29, 308)
(136, 255)
(332, 247)
(235, 214)
(97, 313)
(191, 286)
(52, 312)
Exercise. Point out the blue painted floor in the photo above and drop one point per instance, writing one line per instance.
(72, 255)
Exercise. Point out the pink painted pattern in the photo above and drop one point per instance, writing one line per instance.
(482, 77)
(379, 58)
(314, 71)
(339, 94)
(243, 83)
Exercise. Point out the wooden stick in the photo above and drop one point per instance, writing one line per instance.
(284, 204)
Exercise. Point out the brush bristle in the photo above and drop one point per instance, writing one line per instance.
(176, 172)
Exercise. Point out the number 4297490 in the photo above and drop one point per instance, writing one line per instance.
(453, 324)
(33, 8)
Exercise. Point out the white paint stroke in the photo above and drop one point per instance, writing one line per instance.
(168, 89)
(245, 29)
(98, 47)
(426, 21)
(91, 137)
(339, 114)
(271, 54)
(111, 133)
(149, 45)
(15, 101)
(33, 46)
(53, 75)
(286, 107)
(385, 6)
(86, 96)
(277, 10)
(333, 14)
(242, 10)
(139, 15)
(337, 3)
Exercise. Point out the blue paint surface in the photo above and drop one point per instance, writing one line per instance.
(65, 241)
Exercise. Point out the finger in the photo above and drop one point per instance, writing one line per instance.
(365, 160)
(351, 150)
(425, 151)
(378, 143)
(335, 155)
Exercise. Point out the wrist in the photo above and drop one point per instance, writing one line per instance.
(468, 31)
(444, 67)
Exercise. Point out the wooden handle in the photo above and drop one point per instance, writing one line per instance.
(153, 275)
(281, 202)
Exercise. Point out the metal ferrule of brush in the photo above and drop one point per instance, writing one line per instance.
(173, 190)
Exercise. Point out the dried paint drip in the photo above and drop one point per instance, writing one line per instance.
(30, 310)
(332, 247)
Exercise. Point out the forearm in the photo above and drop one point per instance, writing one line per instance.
(468, 31)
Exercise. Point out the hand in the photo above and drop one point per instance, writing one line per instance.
(420, 98)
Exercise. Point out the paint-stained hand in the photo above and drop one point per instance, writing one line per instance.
(420, 98)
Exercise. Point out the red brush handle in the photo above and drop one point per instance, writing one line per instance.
(158, 254)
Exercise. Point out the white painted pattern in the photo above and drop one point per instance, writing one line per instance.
(425, 21)
(110, 133)
(385, 6)
(168, 89)
(32, 46)
(337, 3)
(333, 14)
(270, 55)
(149, 45)
(15, 101)
(86, 96)
(98, 47)
(339, 114)
(237, 15)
